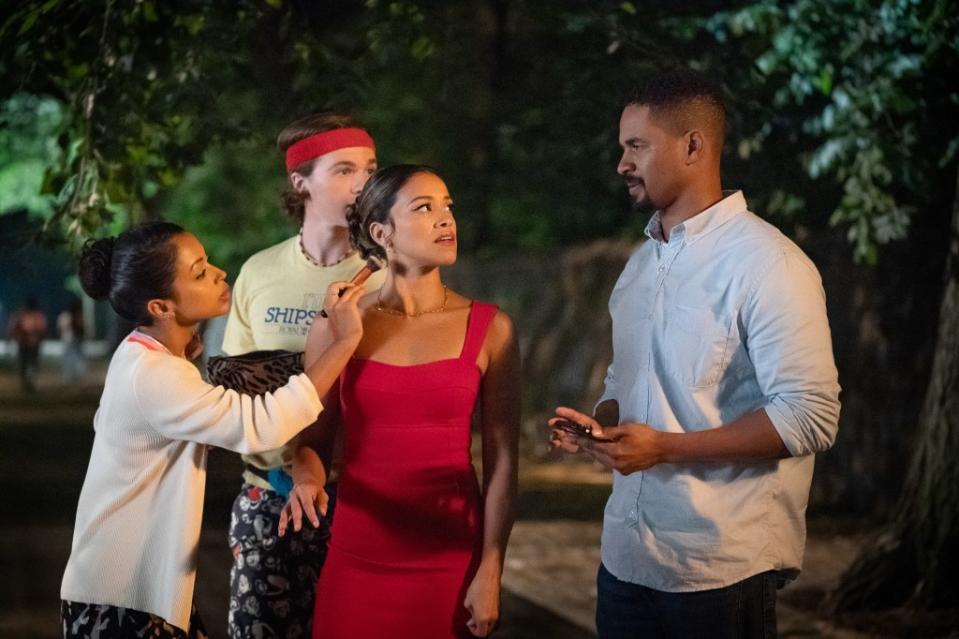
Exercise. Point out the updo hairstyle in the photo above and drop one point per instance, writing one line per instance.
(375, 202)
(131, 269)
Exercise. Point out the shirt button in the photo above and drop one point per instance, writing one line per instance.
(661, 269)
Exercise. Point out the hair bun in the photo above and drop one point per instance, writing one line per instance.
(94, 269)
(360, 235)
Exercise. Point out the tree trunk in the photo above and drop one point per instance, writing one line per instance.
(910, 562)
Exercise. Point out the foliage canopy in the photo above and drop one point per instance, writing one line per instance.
(842, 112)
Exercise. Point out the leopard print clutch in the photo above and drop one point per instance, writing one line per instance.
(255, 373)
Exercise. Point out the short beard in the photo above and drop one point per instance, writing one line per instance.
(644, 206)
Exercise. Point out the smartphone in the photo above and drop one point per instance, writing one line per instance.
(577, 429)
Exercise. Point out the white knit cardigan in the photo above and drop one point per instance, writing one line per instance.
(138, 519)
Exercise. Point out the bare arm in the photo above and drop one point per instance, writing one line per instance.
(314, 451)
(329, 345)
(312, 458)
(332, 340)
(752, 437)
(500, 405)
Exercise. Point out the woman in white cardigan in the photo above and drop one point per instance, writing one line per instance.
(133, 562)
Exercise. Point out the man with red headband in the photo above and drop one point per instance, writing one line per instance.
(277, 294)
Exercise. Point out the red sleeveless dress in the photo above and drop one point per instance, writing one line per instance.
(408, 527)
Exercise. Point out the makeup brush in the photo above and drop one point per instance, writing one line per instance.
(373, 264)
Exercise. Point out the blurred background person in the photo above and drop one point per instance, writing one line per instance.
(28, 327)
(71, 330)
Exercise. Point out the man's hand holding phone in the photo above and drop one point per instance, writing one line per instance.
(625, 448)
(572, 429)
(575, 429)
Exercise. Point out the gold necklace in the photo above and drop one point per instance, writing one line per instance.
(392, 311)
(315, 262)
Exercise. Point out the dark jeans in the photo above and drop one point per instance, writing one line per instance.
(743, 610)
(29, 357)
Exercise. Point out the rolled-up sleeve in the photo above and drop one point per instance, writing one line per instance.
(790, 347)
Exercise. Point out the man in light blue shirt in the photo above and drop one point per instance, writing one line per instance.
(721, 389)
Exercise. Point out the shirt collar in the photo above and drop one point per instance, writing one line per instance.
(150, 342)
(733, 202)
(654, 228)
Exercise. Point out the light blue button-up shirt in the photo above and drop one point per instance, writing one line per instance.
(726, 317)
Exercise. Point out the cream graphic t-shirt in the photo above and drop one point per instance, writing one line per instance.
(275, 298)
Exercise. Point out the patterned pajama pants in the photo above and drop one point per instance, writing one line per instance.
(273, 578)
(100, 621)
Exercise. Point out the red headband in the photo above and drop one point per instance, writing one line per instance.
(325, 142)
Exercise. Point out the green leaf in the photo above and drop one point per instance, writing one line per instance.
(150, 189)
(194, 23)
(168, 177)
(950, 153)
(825, 81)
(149, 11)
(78, 71)
(115, 191)
(28, 22)
(422, 48)
(136, 153)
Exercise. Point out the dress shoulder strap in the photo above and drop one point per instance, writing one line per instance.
(479, 320)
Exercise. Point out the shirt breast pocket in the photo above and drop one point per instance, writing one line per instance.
(696, 344)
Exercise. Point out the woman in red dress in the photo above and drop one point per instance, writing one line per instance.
(417, 547)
